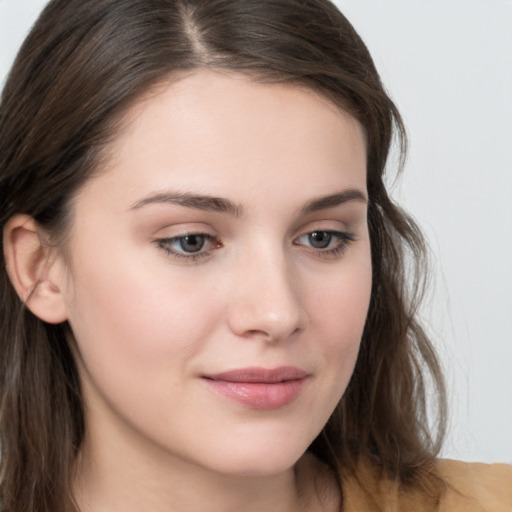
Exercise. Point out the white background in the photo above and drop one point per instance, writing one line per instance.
(448, 66)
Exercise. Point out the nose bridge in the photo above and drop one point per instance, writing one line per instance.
(267, 299)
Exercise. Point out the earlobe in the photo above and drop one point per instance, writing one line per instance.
(32, 269)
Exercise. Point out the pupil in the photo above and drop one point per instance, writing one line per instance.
(320, 239)
(192, 243)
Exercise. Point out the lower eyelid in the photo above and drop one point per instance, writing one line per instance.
(343, 241)
(166, 245)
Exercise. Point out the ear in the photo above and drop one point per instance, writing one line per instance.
(35, 269)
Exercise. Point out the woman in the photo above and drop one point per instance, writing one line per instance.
(205, 302)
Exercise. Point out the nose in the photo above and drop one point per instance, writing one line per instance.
(266, 302)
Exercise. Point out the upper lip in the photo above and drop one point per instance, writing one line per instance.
(263, 375)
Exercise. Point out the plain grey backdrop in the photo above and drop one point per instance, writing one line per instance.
(448, 66)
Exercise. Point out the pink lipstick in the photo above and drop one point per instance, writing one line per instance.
(259, 388)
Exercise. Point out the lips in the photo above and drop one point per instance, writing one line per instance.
(259, 388)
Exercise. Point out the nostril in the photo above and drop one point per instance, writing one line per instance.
(255, 333)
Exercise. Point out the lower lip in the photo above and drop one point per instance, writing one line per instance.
(259, 395)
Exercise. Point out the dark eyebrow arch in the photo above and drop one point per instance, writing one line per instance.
(330, 201)
(196, 201)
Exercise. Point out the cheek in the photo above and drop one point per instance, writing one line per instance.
(340, 307)
(128, 319)
(337, 312)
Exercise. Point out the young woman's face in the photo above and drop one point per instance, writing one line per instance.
(219, 275)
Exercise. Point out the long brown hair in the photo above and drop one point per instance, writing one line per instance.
(83, 64)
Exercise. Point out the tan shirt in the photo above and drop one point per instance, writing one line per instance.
(470, 488)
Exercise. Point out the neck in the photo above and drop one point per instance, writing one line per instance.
(123, 477)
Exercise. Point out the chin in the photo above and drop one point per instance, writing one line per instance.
(259, 459)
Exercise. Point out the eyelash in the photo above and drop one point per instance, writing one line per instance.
(165, 244)
(344, 240)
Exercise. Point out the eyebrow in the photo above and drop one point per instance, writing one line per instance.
(221, 205)
(196, 201)
(332, 200)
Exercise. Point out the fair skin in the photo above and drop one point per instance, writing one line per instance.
(274, 277)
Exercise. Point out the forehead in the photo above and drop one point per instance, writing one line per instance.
(208, 129)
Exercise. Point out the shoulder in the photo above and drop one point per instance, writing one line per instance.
(464, 487)
(484, 487)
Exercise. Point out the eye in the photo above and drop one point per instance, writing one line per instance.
(191, 246)
(326, 243)
(320, 239)
(190, 243)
